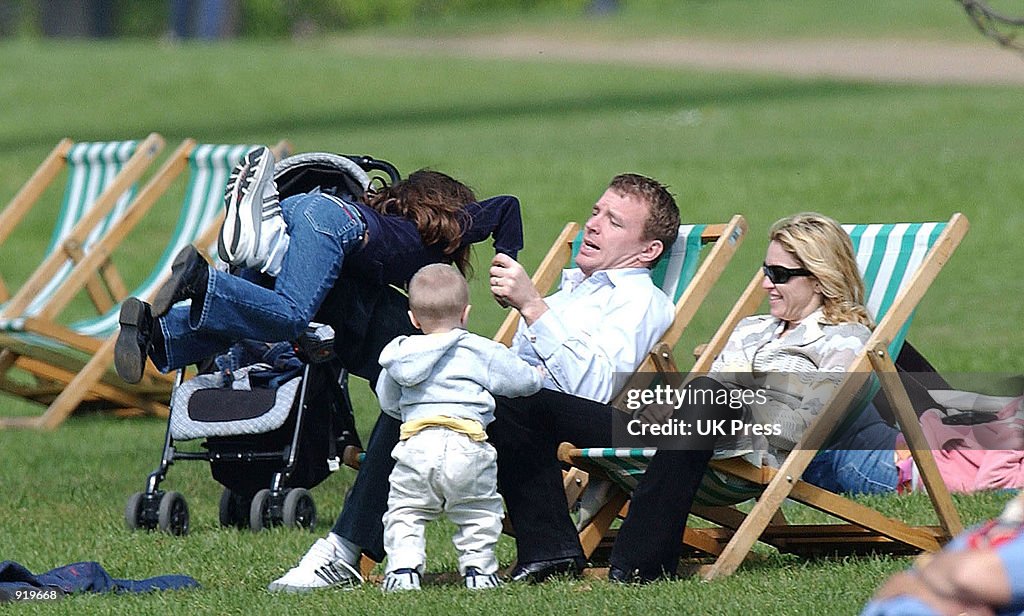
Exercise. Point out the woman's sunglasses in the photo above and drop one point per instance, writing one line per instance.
(781, 275)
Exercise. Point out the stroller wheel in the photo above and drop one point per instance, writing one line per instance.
(173, 514)
(299, 509)
(234, 509)
(259, 511)
(133, 512)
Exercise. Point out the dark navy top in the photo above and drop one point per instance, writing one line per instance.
(395, 250)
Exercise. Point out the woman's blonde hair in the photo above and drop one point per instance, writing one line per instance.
(821, 246)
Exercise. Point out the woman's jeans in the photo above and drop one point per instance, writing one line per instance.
(854, 471)
(323, 230)
(861, 460)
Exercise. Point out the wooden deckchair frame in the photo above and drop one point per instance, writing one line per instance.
(70, 247)
(865, 529)
(64, 382)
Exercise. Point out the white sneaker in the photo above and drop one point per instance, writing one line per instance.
(480, 581)
(319, 568)
(247, 204)
(274, 240)
(273, 232)
(401, 579)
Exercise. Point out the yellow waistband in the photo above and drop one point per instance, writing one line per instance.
(470, 427)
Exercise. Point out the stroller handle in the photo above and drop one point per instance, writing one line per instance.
(369, 163)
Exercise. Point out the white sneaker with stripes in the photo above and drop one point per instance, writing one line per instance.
(401, 579)
(475, 580)
(252, 211)
(319, 568)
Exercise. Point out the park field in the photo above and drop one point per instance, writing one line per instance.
(553, 133)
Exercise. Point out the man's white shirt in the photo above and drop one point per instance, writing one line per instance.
(596, 331)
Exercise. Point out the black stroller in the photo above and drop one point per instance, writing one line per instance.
(272, 432)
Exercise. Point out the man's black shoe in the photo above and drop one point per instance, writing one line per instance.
(540, 570)
(132, 346)
(633, 576)
(189, 275)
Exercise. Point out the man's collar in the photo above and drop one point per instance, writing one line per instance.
(575, 276)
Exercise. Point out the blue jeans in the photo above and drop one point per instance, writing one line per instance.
(235, 307)
(853, 471)
(901, 605)
(361, 518)
(861, 460)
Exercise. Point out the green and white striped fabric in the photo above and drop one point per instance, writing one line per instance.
(92, 167)
(676, 269)
(209, 168)
(887, 255)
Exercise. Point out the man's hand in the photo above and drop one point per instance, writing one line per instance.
(511, 286)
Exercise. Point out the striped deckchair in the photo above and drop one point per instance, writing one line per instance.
(101, 178)
(898, 262)
(67, 365)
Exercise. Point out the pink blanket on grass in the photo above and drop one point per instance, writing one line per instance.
(985, 456)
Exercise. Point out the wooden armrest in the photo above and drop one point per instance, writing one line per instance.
(566, 451)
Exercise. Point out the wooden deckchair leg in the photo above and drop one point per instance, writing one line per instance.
(574, 481)
(7, 360)
(34, 187)
(921, 451)
(761, 515)
(366, 565)
(593, 533)
(788, 474)
(87, 377)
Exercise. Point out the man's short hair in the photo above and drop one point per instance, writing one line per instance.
(438, 294)
(662, 212)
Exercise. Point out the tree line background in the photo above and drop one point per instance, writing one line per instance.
(215, 19)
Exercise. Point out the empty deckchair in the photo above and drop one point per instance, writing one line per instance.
(898, 262)
(67, 365)
(100, 184)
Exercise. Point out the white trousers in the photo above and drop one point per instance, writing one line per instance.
(440, 471)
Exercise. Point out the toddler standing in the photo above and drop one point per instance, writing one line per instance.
(440, 384)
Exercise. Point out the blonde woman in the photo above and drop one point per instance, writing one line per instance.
(796, 355)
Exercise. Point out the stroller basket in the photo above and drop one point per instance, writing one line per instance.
(203, 407)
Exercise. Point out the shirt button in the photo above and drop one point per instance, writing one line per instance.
(533, 339)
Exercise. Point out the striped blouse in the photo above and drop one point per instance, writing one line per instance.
(797, 374)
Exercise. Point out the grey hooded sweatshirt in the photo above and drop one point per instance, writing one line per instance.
(453, 374)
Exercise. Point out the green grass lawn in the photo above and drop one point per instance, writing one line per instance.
(553, 134)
